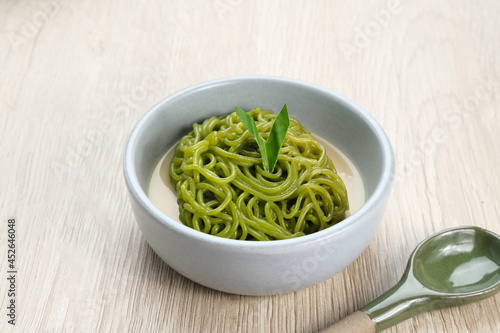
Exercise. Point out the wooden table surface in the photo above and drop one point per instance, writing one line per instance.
(76, 76)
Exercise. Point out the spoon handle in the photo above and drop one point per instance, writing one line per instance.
(357, 322)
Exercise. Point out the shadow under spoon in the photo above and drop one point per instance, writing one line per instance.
(454, 267)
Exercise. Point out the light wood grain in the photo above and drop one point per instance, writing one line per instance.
(76, 76)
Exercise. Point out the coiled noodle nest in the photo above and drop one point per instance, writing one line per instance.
(223, 190)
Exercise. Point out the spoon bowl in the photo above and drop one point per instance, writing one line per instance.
(454, 267)
(469, 263)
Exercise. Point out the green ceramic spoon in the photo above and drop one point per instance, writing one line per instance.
(453, 267)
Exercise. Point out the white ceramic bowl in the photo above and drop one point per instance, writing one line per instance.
(253, 267)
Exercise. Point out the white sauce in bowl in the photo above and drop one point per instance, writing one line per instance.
(161, 189)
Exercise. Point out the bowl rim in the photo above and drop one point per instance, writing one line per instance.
(382, 188)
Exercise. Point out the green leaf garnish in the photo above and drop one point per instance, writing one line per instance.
(270, 149)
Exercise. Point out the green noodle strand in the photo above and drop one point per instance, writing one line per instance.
(223, 189)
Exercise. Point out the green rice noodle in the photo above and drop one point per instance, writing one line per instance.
(223, 190)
